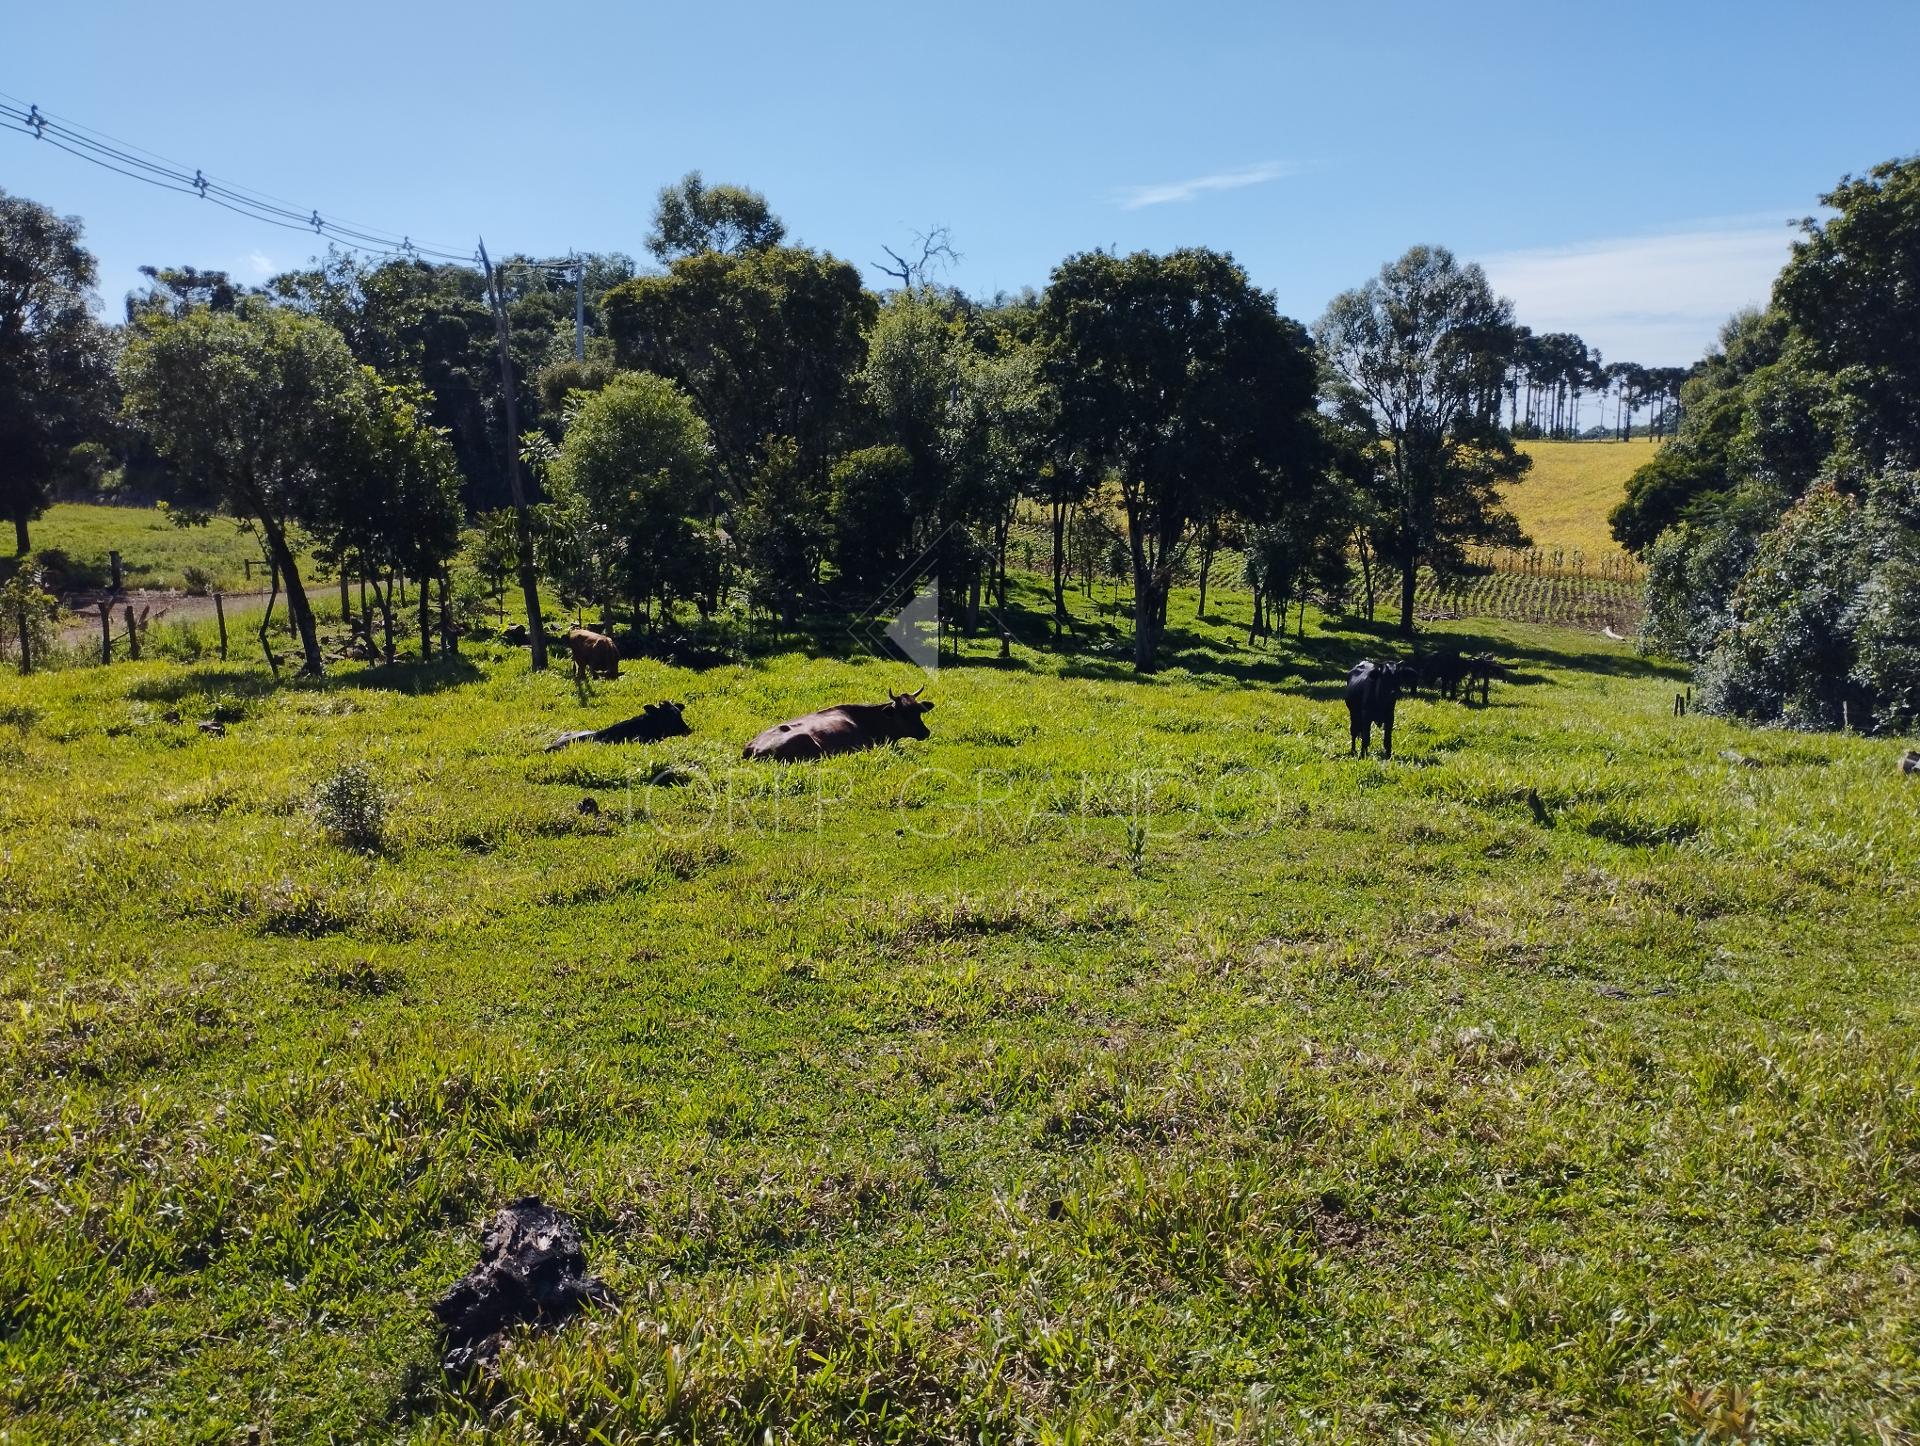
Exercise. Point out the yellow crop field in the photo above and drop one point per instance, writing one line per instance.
(1564, 501)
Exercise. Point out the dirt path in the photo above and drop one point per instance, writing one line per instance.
(80, 622)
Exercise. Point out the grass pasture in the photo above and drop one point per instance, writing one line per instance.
(1124, 1063)
(73, 540)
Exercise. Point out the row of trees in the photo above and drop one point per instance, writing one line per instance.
(751, 425)
(1781, 526)
(1551, 374)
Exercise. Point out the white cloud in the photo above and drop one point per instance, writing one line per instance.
(1658, 300)
(1132, 198)
(262, 264)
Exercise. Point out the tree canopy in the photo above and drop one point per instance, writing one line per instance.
(691, 216)
(55, 359)
(1180, 377)
(1416, 360)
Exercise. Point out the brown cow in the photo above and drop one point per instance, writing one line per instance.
(593, 652)
(843, 729)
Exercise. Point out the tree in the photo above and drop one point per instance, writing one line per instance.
(929, 249)
(388, 499)
(1412, 355)
(1180, 377)
(1788, 653)
(1852, 290)
(176, 290)
(1659, 494)
(872, 525)
(783, 532)
(250, 406)
(55, 366)
(690, 217)
(765, 343)
(632, 482)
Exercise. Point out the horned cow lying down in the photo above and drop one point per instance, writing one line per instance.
(845, 728)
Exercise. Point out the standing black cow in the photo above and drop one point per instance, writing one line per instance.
(1445, 671)
(1372, 690)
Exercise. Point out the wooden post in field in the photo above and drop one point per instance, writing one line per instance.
(220, 615)
(106, 632)
(133, 636)
(113, 562)
(26, 640)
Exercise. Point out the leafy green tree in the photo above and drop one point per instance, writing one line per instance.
(1412, 356)
(55, 360)
(387, 502)
(784, 530)
(1788, 654)
(690, 217)
(250, 406)
(1000, 433)
(1176, 374)
(764, 342)
(872, 532)
(1659, 494)
(1852, 291)
(176, 290)
(633, 483)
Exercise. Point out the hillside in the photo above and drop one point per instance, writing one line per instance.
(1564, 501)
(72, 542)
(1124, 1060)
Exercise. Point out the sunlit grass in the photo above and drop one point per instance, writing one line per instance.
(1123, 1060)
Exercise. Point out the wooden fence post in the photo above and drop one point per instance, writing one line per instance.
(220, 615)
(113, 561)
(106, 632)
(133, 636)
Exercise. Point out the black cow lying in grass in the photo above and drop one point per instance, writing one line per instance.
(659, 720)
(844, 728)
(1372, 690)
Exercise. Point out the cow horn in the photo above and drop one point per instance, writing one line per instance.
(916, 692)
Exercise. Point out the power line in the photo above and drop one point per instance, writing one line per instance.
(127, 159)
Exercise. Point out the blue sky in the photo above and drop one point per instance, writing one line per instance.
(1626, 171)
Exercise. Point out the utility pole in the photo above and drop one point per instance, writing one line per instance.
(580, 308)
(523, 532)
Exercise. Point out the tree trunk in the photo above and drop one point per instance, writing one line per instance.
(297, 604)
(449, 634)
(1146, 619)
(1409, 577)
(1366, 569)
(1208, 545)
(21, 543)
(1060, 562)
(425, 589)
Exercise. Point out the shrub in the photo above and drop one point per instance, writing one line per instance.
(24, 601)
(351, 807)
(199, 581)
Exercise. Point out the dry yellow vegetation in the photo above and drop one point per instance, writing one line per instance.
(1564, 501)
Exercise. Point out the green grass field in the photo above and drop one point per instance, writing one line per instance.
(1564, 500)
(74, 539)
(1124, 1063)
